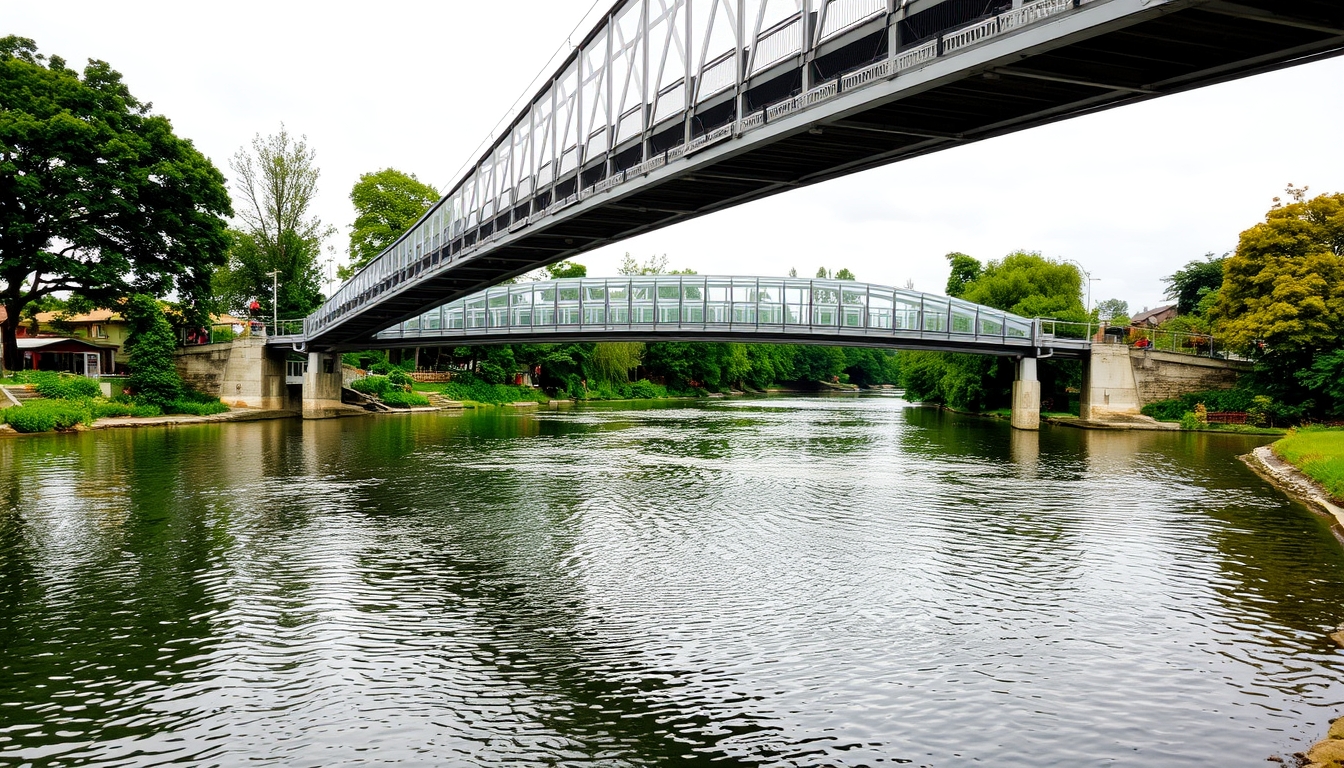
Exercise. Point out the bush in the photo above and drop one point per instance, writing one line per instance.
(402, 399)
(60, 386)
(372, 385)
(647, 390)
(190, 407)
(46, 415)
(1218, 400)
(381, 368)
(399, 378)
(1191, 421)
(107, 409)
(470, 388)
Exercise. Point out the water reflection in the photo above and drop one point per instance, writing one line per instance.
(801, 581)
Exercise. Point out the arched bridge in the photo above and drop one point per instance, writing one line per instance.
(671, 109)
(701, 308)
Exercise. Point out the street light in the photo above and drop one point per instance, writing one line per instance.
(275, 300)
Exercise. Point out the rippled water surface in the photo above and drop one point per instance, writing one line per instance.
(782, 582)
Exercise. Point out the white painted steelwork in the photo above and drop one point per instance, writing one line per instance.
(647, 65)
(690, 306)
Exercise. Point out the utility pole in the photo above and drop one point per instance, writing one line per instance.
(275, 300)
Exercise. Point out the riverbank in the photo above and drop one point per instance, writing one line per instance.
(1296, 484)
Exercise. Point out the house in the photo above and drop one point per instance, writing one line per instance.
(58, 353)
(101, 327)
(1151, 318)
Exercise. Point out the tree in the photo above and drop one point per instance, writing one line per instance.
(965, 270)
(387, 203)
(276, 183)
(654, 265)
(845, 274)
(565, 269)
(1113, 311)
(98, 196)
(150, 348)
(1282, 297)
(1029, 285)
(1190, 283)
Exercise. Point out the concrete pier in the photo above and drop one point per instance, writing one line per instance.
(322, 386)
(1026, 396)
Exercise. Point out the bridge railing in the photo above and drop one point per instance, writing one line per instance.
(707, 303)
(1140, 337)
(533, 166)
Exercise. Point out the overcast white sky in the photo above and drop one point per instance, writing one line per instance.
(1132, 194)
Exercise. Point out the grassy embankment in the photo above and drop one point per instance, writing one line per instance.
(473, 392)
(1318, 453)
(69, 401)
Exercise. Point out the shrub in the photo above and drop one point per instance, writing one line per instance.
(647, 390)
(1217, 400)
(371, 385)
(402, 399)
(106, 409)
(1191, 421)
(46, 415)
(400, 378)
(60, 386)
(380, 368)
(193, 408)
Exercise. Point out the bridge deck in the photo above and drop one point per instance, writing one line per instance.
(897, 80)
(707, 308)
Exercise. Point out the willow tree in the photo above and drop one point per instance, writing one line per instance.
(98, 197)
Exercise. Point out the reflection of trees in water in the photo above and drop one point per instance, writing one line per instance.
(114, 588)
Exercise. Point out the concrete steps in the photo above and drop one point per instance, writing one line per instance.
(17, 395)
(437, 400)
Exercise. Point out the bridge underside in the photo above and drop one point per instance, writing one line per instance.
(1171, 48)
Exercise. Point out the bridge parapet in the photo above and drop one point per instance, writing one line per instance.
(726, 308)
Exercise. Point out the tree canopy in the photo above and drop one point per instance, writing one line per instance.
(387, 203)
(1191, 283)
(965, 269)
(1282, 296)
(98, 196)
(276, 183)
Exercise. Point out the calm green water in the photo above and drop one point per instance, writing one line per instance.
(782, 582)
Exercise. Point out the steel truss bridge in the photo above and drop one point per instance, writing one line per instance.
(743, 309)
(671, 109)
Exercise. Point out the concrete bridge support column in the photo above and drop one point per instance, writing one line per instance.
(1027, 396)
(322, 386)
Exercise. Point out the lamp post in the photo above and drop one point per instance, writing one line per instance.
(275, 300)
(1088, 280)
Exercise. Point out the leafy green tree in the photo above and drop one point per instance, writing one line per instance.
(276, 183)
(1282, 297)
(1027, 284)
(150, 347)
(965, 270)
(565, 269)
(387, 203)
(1113, 311)
(845, 274)
(1187, 285)
(98, 196)
(1022, 283)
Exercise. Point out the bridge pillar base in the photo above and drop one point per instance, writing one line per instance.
(1027, 396)
(322, 387)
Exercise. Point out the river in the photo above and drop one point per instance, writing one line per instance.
(799, 581)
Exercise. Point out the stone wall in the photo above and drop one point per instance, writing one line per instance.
(240, 372)
(1166, 376)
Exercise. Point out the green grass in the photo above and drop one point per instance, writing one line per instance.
(476, 391)
(1319, 453)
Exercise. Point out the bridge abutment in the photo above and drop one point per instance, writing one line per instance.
(1026, 396)
(322, 386)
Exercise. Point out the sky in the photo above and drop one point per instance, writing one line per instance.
(1131, 194)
